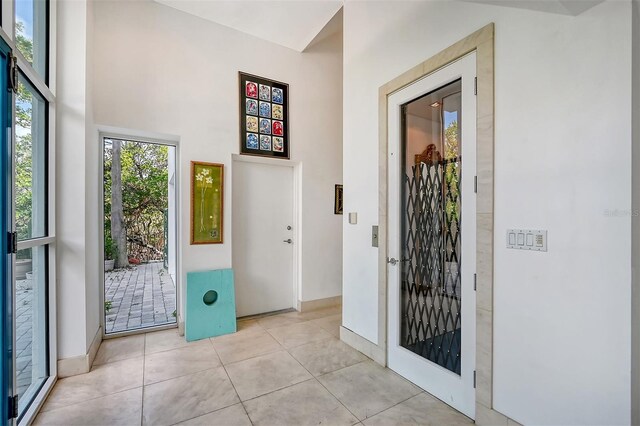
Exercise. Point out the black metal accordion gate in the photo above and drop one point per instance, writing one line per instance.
(431, 262)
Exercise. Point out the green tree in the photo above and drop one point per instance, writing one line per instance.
(24, 145)
(144, 180)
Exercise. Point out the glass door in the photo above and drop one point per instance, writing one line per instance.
(6, 239)
(432, 235)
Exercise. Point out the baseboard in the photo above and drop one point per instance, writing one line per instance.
(180, 326)
(490, 417)
(312, 305)
(363, 345)
(80, 364)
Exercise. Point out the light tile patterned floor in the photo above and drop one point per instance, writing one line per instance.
(140, 296)
(288, 369)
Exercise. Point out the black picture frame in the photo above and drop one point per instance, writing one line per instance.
(255, 138)
(338, 201)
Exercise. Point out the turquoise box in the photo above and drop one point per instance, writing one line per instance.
(211, 304)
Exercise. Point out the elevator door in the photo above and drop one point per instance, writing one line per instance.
(432, 235)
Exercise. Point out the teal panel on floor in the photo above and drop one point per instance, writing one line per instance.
(211, 304)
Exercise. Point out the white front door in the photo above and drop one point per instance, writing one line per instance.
(262, 237)
(432, 233)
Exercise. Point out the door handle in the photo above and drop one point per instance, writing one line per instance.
(288, 241)
(392, 261)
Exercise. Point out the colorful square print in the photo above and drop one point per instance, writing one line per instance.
(252, 141)
(265, 143)
(265, 92)
(265, 109)
(252, 107)
(278, 144)
(252, 124)
(277, 95)
(251, 89)
(277, 112)
(278, 129)
(265, 126)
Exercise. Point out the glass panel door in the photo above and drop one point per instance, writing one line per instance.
(432, 233)
(139, 204)
(6, 227)
(431, 296)
(31, 263)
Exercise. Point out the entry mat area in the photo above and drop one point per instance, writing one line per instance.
(443, 350)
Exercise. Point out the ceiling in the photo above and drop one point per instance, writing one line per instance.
(297, 24)
(562, 7)
(421, 107)
(290, 23)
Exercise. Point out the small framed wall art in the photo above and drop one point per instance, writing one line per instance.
(264, 117)
(207, 202)
(337, 205)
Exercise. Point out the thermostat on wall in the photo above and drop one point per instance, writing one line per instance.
(527, 239)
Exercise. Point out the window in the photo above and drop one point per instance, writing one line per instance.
(31, 32)
(33, 100)
(30, 183)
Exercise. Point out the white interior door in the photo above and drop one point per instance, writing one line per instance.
(432, 233)
(262, 237)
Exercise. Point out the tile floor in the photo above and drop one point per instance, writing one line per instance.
(286, 369)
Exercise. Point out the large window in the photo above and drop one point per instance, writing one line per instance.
(32, 143)
(31, 345)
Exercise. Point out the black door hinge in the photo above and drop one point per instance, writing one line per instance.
(475, 86)
(475, 184)
(475, 282)
(474, 379)
(13, 407)
(12, 242)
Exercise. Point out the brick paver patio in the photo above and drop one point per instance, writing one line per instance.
(140, 296)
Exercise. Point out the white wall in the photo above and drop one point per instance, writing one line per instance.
(563, 141)
(76, 246)
(164, 71)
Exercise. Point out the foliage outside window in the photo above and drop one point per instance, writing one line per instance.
(144, 194)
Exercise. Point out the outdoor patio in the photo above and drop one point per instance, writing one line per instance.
(139, 296)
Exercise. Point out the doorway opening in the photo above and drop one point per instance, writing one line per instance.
(139, 234)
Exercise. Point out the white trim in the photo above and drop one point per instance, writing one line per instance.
(297, 209)
(34, 78)
(105, 132)
(143, 330)
(363, 345)
(137, 135)
(8, 19)
(38, 401)
(313, 305)
(80, 364)
(34, 242)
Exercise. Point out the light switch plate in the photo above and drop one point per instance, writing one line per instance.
(353, 218)
(527, 239)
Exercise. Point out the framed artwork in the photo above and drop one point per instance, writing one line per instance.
(207, 199)
(337, 206)
(264, 117)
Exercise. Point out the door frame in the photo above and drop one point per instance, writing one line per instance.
(296, 167)
(482, 42)
(145, 137)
